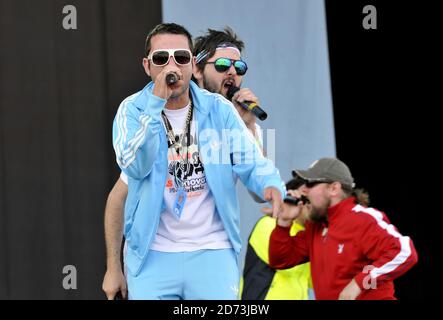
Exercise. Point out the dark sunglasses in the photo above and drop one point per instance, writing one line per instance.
(223, 64)
(311, 184)
(161, 57)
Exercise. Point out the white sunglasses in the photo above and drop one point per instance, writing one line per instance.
(161, 57)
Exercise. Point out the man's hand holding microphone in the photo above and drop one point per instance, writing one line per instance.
(242, 95)
(166, 81)
(290, 209)
(246, 103)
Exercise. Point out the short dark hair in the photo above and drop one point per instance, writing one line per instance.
(209, 42)
(164, 28)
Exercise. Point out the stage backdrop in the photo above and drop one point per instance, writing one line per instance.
(286, 49)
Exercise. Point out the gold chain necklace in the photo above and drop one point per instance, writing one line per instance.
(172, 138)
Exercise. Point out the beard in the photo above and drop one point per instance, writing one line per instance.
(221, 88)
(211, 86)
(181, 90)
(319, 213)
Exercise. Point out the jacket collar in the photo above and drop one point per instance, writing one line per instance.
(200, 98)
(337, 209)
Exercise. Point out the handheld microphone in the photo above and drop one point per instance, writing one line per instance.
(294, 201)
(252, 106)
(171, 78)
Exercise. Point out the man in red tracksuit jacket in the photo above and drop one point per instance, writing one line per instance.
(355, 252)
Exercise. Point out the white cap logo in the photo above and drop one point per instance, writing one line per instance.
(313, 164)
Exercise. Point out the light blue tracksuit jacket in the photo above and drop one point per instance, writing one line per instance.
(227, 149)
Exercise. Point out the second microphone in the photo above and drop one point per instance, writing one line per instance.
(252, 106)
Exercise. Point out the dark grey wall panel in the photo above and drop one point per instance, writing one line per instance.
(59, 91)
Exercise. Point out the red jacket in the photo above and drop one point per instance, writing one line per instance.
(357, 242)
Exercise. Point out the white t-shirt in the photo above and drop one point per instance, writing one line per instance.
(199, 225)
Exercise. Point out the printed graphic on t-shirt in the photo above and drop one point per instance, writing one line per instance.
(185, 169)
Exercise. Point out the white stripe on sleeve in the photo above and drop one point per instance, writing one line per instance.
(405, 249)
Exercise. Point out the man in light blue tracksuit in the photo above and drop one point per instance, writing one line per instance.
(181, 148)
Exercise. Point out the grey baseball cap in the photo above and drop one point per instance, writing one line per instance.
(327, 170)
